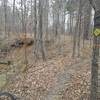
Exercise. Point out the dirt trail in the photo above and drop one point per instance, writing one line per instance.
(55, 93)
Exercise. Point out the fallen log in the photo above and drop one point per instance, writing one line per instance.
(5, 62)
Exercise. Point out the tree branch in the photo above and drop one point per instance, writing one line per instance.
(91, 2)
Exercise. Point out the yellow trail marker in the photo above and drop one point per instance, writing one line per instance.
(97, 32)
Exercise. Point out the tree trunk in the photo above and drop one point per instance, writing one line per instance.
(95, 57)
(13, 24)
(41, 45)
(5, 16)
(79, 28)
(35, 30)
(87, 22)
(22, 16)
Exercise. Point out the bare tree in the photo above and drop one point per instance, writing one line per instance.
(13, 24)
(5, 16)
(95, 57)
(40, 32)
(35, 28)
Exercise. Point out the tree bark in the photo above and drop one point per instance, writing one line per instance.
(41, 30)
(95, 58)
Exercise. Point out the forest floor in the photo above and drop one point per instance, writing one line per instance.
(60, 77)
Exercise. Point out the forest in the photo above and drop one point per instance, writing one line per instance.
(49, 49)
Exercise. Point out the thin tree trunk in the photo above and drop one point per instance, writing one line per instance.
(74, 38)
(5, 16)
(41, 30)
(35, 30)
(22, 15)
(13, 24)
(47, 10)
(79, 33)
